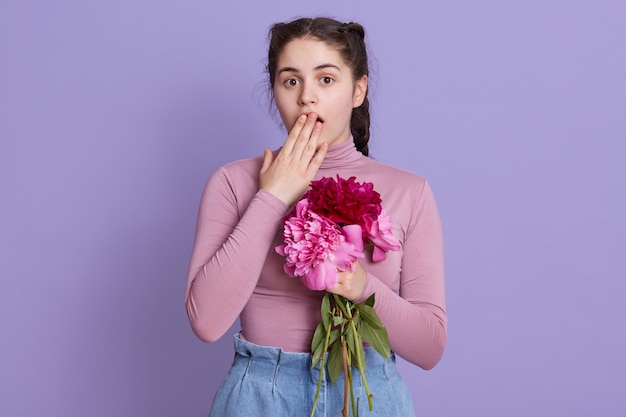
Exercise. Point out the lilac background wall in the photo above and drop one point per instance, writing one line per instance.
(113, 114)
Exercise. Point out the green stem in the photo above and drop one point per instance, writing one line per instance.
(346, 381)
(359, 364)
(321, 375)
(355, 410)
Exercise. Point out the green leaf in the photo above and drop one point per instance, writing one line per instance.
(351, 340)
(369, 316)
(325, 310)
(337, 320)
(377, 338)
(355, 342)
(318, 337)
(361, 353)
(370, 300)
(341, 303)
(317, 354)
(334, 336)
(335, 363)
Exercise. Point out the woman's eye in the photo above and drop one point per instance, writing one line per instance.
(291, 82)
(327, 80)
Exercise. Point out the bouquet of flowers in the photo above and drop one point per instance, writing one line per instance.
(329, 228)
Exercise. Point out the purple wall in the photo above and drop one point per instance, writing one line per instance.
(113, 114)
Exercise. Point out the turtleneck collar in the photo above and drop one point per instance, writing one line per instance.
(341, 155)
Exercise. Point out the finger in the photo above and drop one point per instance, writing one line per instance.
(311, 157)
(304, 138)
(294, 133)
(268, 158)
(317, 160)
(310, 147)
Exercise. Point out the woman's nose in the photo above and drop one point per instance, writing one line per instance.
(308, 95)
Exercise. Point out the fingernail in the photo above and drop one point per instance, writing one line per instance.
(302, 117)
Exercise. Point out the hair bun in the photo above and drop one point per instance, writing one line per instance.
(355, 28)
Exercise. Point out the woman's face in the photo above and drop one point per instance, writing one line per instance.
(312, 77)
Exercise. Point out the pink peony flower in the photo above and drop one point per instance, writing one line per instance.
(316, 247)
(381, 235)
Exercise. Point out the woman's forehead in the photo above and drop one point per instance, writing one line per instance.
(306, 54)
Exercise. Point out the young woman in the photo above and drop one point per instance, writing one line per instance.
(318, 73)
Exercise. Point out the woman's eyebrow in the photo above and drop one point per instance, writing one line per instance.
(319, 67)
(324, 66)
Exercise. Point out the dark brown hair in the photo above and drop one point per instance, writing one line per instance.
(349, 40)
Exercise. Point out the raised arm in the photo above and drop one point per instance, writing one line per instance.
(232, 240)
(228, 255)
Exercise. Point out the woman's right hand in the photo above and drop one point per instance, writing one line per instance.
(288, 175)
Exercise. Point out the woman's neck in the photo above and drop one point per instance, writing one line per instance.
(341, 155)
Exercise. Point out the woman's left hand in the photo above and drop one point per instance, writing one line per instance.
(350, 284)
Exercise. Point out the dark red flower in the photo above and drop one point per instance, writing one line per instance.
(345, 201)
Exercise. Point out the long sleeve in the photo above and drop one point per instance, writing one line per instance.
(229, 251)
(415, 318)
(235, 271)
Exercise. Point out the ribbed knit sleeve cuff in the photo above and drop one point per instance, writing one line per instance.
(372, 285)
(272, 202)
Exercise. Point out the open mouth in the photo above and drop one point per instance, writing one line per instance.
(319, 119)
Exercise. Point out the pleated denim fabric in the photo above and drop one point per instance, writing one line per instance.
(266, 381)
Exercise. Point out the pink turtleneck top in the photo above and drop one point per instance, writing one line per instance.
(235, 272)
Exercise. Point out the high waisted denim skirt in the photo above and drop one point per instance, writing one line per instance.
(266, 381)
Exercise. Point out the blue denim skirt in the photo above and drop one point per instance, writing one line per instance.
(266, 381)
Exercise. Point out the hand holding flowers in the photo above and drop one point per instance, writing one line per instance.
(324, 236)
(351, 283)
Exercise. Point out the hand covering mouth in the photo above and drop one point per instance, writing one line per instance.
(319, 118)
